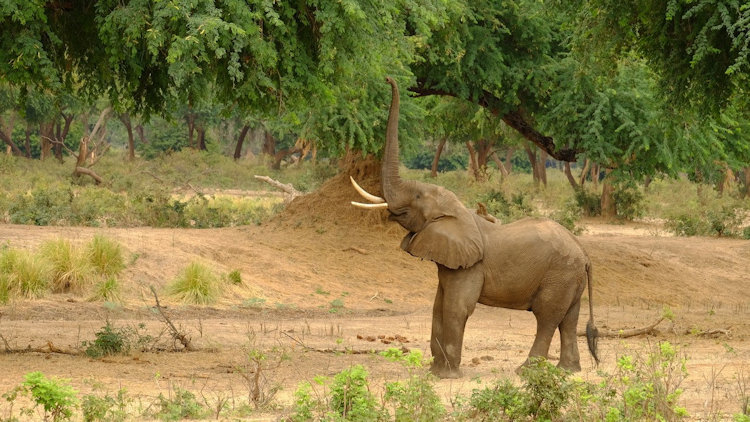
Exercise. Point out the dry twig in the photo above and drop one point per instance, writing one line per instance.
(603, 332)
(176, 334)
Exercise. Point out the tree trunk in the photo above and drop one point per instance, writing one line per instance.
(595, 169)
(746, 170)
(584, 172)
(240, 141)
(569, 175)
(269, 144)
(6, 134)
(27, 142)
(532, 160)
(125, 119)
(46, 133)
(141, 134)
(509, 159)
(279, 156)
(484, 149)
(609, 209)
(57, 147)
(191, 128)
(436, 160)
(201, 137)
(473, 165)
(500, 165)
(542, 165)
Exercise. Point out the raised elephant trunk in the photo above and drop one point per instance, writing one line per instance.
(390, 180)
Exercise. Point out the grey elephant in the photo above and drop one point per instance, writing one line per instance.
(532, 264)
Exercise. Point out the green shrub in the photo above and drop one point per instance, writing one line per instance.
(501, 402)
(107, 408)
(351, 397)
(57, 397)
(196, 284)
(507, 210)
(181, 404)
(43, 206)
(568, 216)
(71, 268)
(547, 387)
(629, 201)
(108, 341)
(590, 202)
(414, 399)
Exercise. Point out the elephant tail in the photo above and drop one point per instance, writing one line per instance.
(591, 331)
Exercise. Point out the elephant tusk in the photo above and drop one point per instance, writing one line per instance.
(370, 206)
(367, 195)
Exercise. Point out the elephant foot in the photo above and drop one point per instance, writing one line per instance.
(444, 372)
(570, 366)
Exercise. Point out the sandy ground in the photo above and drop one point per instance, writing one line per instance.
(314, 285)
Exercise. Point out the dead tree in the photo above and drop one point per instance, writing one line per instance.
(91, 148)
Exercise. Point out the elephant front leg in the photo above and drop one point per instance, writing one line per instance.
(456, 298)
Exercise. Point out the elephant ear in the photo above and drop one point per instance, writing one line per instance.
(453, 242)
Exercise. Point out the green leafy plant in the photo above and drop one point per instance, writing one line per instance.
(414, 399)
(109, 341)
(178, 405)
(55, 396)
(195, 284)
(351, 397)
(106, 408)
(589, 202)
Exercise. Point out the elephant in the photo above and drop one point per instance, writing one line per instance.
(533, 264)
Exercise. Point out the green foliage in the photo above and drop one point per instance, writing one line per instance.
(568, 216)
(196, 284)
(724, 221)
(180, 404)
(56, 397)
(589, 202)
(107, 408)
(351, 397)
(629, 201)
(547, 387)
(502, 401)
(507, 210)
(648, 388)
(108, 341)
(414, 399)
(71, 269)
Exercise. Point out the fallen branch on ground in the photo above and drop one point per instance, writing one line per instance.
(286, 187)
(603, 332)
(176, 334)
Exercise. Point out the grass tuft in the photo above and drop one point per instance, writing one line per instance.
(105, 256)
(71, 269)
(108, 290)
(196, 284)
(21, 274)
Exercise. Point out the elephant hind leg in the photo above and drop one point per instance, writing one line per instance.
(545, 330)
(569, 357)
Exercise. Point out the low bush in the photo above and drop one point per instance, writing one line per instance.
(56, 397)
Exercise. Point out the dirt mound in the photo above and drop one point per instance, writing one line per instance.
(331, 203)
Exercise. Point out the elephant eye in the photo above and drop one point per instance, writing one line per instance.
(419, 196)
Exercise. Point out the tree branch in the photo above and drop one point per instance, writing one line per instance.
(514, 119)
